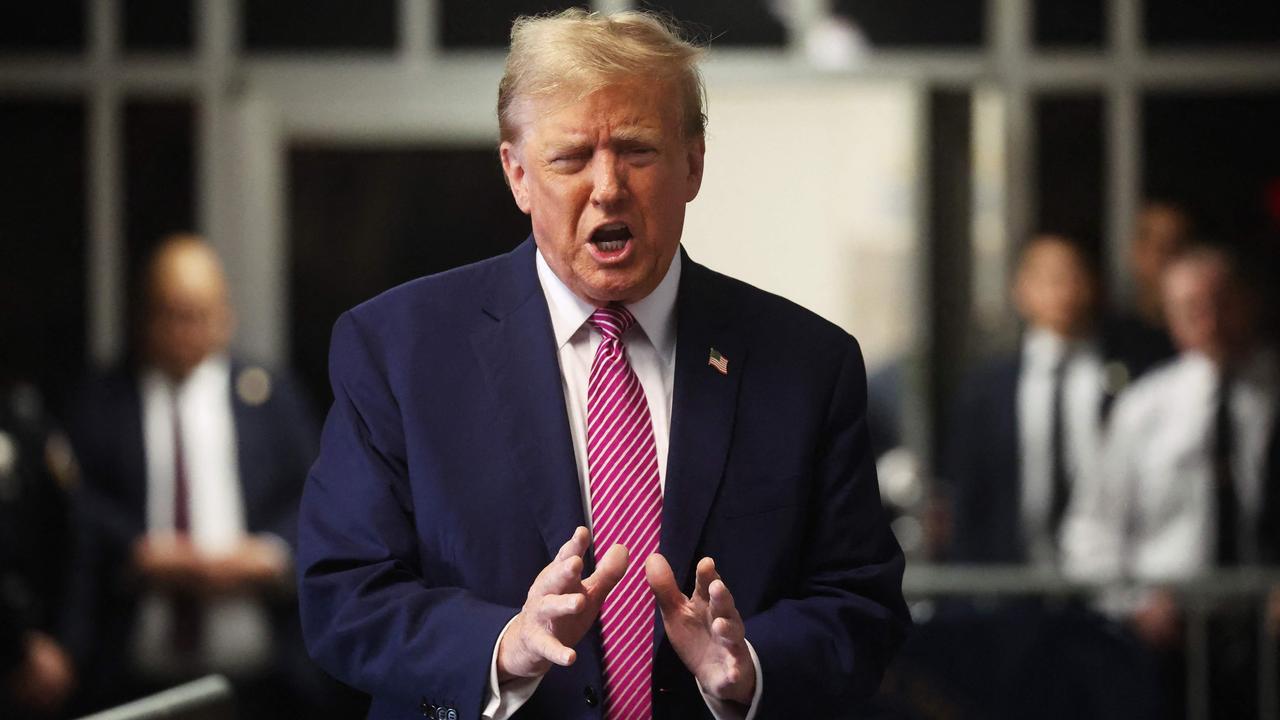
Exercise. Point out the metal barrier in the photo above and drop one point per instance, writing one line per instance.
(1198, 598)
(209, 698)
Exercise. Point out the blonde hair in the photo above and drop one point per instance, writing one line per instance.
(580, 52)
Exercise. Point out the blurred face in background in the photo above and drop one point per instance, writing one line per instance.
(605, 180)
(188, 314)
(1205, 310)
(1054, 288)
(1161, 233)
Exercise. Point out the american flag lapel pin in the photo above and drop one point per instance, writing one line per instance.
(718, 361)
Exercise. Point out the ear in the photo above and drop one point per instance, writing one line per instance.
(513, 169)
(695, 152)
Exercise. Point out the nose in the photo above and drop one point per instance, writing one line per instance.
(609, 184)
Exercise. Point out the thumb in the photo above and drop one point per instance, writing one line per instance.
(608, 572)
(663, 583)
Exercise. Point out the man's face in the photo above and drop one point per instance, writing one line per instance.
(605, 181)
(1198, 305)
(1054, 289)
(1161, 233)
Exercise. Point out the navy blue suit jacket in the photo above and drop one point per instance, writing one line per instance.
(276, 442)
(447, 481)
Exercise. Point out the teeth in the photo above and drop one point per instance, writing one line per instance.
(612, 245)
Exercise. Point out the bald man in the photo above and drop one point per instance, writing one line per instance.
(193, 463)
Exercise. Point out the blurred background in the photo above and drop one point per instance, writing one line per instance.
(880, 162)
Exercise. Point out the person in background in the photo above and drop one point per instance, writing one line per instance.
(37, 471)
(1138, 339)
(1026, 426)
(192, 466)
(1188, 473)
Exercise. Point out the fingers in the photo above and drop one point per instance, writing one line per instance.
(663, 583)
(706, 574)
(608, 572)
(726, 624)
(543, 644)
(576, 545)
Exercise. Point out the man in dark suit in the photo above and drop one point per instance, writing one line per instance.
(1026, 425)
(596, 376)
(192, 467)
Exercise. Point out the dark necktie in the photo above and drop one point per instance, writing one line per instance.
(1224, 478)
(186, 607)
(1061, 489)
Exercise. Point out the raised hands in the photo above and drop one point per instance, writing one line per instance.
(705, 629)
(558, 611)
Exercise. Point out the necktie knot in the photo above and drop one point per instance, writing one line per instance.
(612, 321)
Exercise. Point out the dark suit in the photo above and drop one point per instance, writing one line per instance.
(275, 442)
(982, 465)
(447, 481)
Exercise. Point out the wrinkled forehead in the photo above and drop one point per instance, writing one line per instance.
(629, 105)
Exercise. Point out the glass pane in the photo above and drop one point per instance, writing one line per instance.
(1070, 179)
(1070, 23)
(1218, 154)
(916, 23)
(159, 192)
(285, 25)
(42, 242)
(726, 22)
(55, 25)
(468, 24)
(1196, 23)
(157, 25)
(363, 219)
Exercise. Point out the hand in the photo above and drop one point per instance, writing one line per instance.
(256, 562)
(558, 611)
(1159, 620)
(45, 678)
(705, 629)
(169, 560)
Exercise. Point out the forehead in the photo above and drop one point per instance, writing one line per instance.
(614, 110)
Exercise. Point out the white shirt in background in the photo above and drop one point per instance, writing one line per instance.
(1150, 513)
(1082, 391)
(235, 632)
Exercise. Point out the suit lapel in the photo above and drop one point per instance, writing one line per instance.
(516, 348)
(703, 405)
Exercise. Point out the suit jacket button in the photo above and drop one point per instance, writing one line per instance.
(442, 713)
(453, 714)
(427, 709)
(589, 693)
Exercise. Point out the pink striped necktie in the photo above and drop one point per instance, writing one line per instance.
(626, 509)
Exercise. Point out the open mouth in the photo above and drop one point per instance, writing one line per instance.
(611, 238)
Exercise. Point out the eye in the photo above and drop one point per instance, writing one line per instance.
(569, 160)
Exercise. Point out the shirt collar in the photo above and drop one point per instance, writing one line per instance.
(1044, 349)
(655, 314)
(213, 371)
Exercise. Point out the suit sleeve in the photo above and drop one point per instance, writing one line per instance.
(368, 616)
(826, 646)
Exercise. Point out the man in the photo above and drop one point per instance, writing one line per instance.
(1187, 480)
(1026, 426)
(1139, 339)
(36, 472)
(711, 436)
(192, 466)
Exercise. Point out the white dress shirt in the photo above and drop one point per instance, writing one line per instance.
(1082, 403)
(235, 632)
(1150, 513)
(651, 350)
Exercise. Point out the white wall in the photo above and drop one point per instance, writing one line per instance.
(811, 192)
